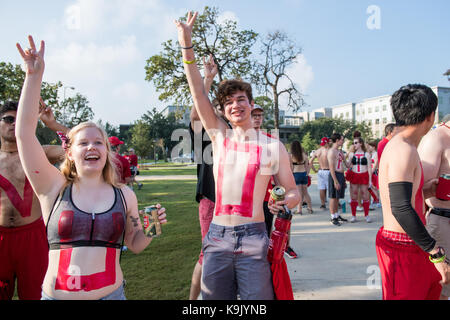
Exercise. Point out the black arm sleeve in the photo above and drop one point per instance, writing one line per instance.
(400, 194)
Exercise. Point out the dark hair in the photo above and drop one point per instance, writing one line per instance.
(372, 143)
(412, 103)
(388, 129)
(356, 134)
(297, 150)
(8, 106)
(335, 137)
(229, 87)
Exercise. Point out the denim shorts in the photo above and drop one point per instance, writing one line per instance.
(301, 178)
(235, 262)
(118, 294)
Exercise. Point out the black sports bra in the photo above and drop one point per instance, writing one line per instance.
(69, 227)
(361, 161)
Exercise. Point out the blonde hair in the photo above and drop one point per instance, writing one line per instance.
(68, 168)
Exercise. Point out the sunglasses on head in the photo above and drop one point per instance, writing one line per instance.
(9, 119)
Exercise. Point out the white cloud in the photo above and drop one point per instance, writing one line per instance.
(301, 73)
(227, 15)
(97, 62)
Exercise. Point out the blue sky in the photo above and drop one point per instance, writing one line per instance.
(100, 46)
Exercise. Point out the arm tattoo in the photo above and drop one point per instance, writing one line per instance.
(135, 222)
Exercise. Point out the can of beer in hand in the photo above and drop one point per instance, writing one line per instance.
(152, 226)
(277, 193)
(443, 187)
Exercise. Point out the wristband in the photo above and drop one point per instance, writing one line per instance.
(438, 260)
(189, 62)
(186, 48)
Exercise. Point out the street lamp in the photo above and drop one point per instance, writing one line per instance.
(64, 99)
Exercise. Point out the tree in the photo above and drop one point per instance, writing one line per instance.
(230, 48)
(74, 110)
(140, 133)
(161, 129)
(308, 143)
(279, 52)
(324, 127)
(110, 129)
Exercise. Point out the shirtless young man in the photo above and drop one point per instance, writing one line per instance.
(235, 248)
(23, 241)
(324, 170)
(404, 247)
(434, 152)
(336, 179)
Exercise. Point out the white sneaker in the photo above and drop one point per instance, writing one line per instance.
(368, 220)
(353, 219)
(372, 206)
(379, 205)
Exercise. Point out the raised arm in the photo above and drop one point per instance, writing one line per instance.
(48, 118)
(210, 71)
(201, 101)
(44, 177)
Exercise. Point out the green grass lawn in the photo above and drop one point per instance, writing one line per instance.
(164, 269)
(169, 171)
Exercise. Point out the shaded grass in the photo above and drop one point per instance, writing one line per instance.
(164, 269)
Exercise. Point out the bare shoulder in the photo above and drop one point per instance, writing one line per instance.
(129, 195)
(402, 159)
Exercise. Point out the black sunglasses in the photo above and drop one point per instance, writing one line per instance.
(356, 142)
(9, 119)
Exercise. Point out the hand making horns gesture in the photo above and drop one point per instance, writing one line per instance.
(34, 60)
(185, 29)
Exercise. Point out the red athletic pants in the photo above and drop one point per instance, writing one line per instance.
(23, 256)
(406, 272)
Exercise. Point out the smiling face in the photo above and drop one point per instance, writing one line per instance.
(88, 150)
(237, 108)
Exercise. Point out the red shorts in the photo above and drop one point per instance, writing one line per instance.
(406, 272)
(23, 255)
(357, 178)
(375, 180)
(205, 215)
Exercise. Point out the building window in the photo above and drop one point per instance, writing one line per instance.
(377, 121)
(377, 108)
(369, 111)
(384, 120)
(384, 107)
(347, 115)
(357, 112)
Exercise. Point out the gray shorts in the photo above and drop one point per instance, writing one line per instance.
(333, 193)
(439, 229)
(235, 262)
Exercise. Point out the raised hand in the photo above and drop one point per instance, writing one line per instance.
(45, 113)
(34, 60)
(185, 29)
(211, 69)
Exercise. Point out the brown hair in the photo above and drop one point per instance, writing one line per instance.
(297, 151)
(68, 168)
(229, 87)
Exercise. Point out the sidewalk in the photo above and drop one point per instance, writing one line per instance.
(335, 262)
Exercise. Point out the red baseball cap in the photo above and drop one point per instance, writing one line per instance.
(114, 141)
(324, 141)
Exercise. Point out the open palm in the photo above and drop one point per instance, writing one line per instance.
(34, 60)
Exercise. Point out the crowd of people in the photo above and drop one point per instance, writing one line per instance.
(62, 236)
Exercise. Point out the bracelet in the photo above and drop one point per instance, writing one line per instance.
(189, 62)
(438, 260)
(186, 48)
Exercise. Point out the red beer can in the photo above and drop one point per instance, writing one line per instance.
(443, 187)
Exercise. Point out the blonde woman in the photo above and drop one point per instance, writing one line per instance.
(88, 214)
